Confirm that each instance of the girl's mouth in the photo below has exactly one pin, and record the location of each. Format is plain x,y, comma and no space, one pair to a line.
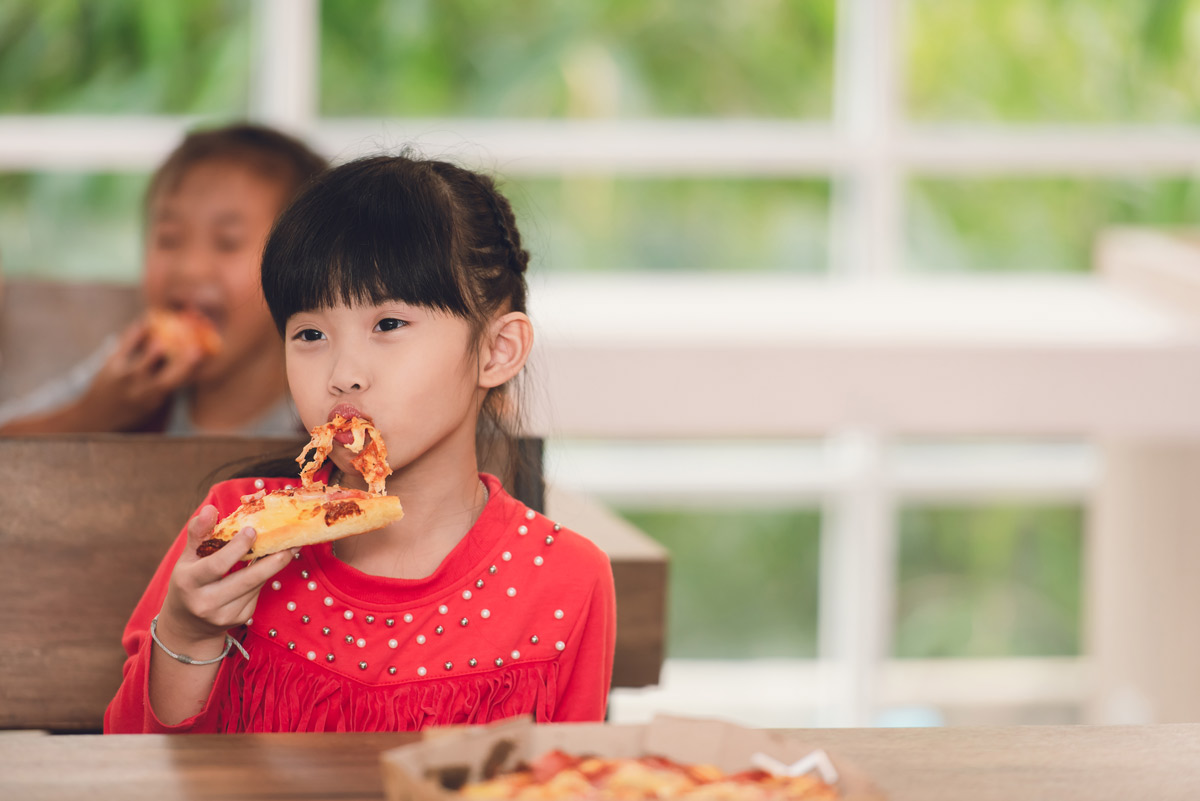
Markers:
347,411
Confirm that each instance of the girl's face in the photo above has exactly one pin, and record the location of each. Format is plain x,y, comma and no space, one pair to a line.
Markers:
409,369
203,249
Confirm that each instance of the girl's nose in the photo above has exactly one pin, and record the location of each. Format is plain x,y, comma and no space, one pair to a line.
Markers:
191,264
347,376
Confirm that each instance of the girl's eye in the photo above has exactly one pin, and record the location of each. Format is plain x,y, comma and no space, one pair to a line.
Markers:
389,324
309,335
229,245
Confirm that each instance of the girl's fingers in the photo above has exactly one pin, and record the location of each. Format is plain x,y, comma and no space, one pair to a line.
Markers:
213,567
149,359
230,601
176,369
251,579
133,339
199,528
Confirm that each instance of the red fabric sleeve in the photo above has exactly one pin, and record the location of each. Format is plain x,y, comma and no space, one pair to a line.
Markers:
585,668
129,712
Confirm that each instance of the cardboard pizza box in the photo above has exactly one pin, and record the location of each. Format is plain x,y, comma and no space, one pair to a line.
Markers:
445,759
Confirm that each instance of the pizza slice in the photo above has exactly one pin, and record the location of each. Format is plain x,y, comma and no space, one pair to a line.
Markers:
558,775
315,512
181,331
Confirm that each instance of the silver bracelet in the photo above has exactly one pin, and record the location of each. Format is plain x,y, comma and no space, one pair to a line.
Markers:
230,642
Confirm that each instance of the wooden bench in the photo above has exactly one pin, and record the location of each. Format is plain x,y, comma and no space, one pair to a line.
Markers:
47,327
88,518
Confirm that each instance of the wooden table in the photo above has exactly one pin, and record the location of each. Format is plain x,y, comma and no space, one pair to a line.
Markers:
1057,763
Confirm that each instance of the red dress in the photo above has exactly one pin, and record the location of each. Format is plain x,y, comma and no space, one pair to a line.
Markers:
520,618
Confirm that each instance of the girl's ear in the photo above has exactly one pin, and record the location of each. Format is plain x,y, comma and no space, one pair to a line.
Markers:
505,350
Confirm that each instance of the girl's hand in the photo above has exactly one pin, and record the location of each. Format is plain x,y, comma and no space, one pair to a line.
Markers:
135,382
203,598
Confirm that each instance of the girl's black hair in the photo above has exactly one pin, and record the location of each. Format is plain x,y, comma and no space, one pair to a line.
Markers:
427,233
270,153
424,232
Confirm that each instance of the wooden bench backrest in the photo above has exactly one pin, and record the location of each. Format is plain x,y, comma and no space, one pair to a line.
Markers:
84,524
46,327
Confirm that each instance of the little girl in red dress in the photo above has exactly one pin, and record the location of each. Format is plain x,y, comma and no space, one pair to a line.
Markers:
398,287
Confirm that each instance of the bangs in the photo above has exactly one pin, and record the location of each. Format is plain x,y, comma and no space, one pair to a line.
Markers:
365,233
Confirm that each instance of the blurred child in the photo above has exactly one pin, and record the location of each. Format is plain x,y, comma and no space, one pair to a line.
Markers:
209,209
399,288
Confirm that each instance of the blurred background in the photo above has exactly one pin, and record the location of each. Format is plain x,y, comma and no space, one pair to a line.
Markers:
820,285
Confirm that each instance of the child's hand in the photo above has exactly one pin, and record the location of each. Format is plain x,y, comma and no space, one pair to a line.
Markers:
203,598
136,380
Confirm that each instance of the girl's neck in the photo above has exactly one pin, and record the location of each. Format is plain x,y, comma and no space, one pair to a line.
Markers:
440,507
226,404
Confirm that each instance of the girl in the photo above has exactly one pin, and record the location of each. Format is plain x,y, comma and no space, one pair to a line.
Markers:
209,209
398,285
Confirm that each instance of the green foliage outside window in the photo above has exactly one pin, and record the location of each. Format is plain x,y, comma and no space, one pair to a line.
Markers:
1063,61
124,57
1047,62
557,58
989,581
1020,61
72,226
113,57
1033,225
602,224
743,582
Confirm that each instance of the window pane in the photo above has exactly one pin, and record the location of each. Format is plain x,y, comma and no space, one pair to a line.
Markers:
742,582
72,225
617,224
1054,60
989,581
548,58
1033,225
124,56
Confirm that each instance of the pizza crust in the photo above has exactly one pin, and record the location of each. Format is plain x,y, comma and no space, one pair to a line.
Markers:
291,518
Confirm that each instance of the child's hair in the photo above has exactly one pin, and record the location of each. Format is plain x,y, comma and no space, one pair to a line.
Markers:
269,153
424,232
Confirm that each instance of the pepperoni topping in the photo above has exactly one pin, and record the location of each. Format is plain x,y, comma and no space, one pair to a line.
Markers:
336,511
210,546
256,505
